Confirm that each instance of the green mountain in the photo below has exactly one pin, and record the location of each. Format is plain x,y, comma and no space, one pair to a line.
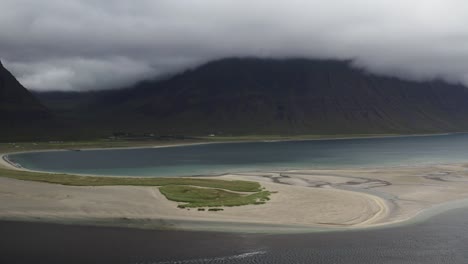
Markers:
268,96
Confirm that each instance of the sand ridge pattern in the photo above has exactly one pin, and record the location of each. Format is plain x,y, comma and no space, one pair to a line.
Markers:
302,200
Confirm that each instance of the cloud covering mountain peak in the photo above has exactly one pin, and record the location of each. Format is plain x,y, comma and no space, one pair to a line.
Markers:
90,45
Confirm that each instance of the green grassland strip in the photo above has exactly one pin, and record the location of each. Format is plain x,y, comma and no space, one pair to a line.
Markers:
75,180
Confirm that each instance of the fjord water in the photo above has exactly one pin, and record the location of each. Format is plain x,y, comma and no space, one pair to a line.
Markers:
212,159
439,240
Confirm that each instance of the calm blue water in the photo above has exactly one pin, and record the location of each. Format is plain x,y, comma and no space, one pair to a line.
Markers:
241,157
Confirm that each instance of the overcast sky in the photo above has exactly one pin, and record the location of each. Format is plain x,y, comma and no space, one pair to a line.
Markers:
92,44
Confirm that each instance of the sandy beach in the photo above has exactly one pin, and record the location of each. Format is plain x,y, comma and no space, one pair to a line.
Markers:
304,200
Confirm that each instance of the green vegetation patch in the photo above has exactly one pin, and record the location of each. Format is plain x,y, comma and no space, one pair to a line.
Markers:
75,180
192,192
192,196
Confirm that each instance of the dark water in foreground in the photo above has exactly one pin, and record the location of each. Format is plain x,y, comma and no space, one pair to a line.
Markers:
222,158
441,239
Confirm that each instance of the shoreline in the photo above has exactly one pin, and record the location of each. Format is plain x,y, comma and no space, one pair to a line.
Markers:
51,203
235,227
7,163
206,142
387,196
377,211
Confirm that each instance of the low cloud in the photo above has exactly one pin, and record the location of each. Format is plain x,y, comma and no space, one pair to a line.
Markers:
70,74
90,45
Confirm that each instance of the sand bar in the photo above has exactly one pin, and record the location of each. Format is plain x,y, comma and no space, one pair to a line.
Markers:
305,200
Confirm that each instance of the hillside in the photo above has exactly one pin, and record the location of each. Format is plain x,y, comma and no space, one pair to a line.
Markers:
22,115
18,105
266,96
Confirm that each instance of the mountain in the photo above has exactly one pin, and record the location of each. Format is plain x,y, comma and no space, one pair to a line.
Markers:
269,96
18,105
21,114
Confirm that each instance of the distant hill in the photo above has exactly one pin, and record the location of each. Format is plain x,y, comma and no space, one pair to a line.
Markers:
268,96
22,115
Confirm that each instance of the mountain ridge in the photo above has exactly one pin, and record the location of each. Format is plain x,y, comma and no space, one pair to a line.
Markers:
240,96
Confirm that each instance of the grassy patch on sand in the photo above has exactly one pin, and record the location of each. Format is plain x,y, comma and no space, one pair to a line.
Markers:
191,196
75,180
191,192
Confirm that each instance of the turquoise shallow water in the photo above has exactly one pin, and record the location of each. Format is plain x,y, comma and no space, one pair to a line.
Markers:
211,159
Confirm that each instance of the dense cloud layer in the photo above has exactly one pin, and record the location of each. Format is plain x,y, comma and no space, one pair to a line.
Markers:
91,44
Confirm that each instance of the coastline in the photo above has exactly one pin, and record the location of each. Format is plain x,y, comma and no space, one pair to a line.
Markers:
194,223
299,206
207,142
7,163
352,199
134,205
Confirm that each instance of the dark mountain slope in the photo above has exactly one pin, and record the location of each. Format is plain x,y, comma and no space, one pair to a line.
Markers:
22,116
17,104
291,96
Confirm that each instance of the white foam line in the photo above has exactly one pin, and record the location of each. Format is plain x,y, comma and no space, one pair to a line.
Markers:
202,260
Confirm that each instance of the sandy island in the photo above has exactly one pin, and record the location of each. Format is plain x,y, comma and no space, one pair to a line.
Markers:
306,200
